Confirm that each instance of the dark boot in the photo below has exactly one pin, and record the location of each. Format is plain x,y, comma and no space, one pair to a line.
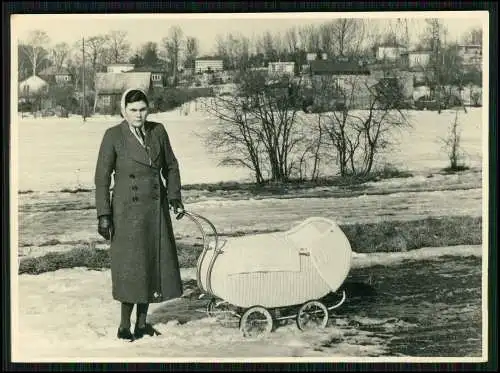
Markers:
125,334
146,330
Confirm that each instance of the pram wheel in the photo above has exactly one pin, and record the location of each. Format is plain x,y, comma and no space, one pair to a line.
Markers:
311,315
256,321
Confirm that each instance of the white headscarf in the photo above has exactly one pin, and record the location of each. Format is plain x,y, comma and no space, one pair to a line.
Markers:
122,103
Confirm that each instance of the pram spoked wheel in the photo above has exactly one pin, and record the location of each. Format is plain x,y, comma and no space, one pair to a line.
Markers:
312,315
256,321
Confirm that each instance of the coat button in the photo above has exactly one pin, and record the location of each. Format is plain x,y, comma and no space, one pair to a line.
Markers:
135,199
132,176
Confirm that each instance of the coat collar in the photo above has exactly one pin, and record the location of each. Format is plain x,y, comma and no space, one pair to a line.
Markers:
135,150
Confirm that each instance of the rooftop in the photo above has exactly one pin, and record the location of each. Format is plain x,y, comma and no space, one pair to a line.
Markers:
147,69
338,67
209,58
120,64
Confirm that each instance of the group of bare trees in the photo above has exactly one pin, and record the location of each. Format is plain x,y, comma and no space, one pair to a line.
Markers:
257,127
338,37
262,127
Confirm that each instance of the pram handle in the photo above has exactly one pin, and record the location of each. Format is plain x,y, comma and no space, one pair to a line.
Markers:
196,219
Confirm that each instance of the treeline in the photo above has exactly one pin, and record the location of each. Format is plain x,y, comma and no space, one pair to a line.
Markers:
339,37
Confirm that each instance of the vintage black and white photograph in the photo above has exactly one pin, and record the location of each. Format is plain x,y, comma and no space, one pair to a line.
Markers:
299,187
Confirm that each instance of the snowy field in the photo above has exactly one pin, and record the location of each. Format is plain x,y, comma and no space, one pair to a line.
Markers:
57,153
69,314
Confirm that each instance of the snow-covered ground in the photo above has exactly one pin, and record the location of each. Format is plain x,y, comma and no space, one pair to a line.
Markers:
69,315
57,153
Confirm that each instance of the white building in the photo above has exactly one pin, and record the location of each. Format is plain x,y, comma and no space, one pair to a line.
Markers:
120,67
418,58
203,65
390,52
32,86
281,68
314,56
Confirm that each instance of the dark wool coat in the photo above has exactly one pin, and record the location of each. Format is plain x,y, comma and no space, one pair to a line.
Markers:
144,263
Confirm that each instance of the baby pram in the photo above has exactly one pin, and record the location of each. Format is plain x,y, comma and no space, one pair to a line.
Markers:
274,277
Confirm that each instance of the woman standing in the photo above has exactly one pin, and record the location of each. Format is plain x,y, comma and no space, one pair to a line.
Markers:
135,215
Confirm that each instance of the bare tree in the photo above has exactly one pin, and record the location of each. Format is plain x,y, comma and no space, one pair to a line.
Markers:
221,48
258,127
235,50
35,48
96,51
326,34
236,136
358,137
453,147
118,46
97,55
291,40
311,151
172,45
348,35
304,39
268,44
60,54
192,50
314,39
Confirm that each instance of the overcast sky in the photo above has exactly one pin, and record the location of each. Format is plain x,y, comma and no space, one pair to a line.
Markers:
142,28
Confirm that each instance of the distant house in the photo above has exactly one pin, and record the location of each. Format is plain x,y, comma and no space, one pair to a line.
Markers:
416,59
389,52
54,75
32,86
109,88
471,54
314,56
119,67
205,64
158,75
281,68
32,90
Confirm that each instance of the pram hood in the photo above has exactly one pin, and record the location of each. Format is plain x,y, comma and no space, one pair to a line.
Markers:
270,252
317,237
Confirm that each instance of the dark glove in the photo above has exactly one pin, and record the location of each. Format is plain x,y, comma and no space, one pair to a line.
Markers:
105,227
177,206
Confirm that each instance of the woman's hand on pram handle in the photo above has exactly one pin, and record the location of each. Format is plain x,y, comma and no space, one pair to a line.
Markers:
178,207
